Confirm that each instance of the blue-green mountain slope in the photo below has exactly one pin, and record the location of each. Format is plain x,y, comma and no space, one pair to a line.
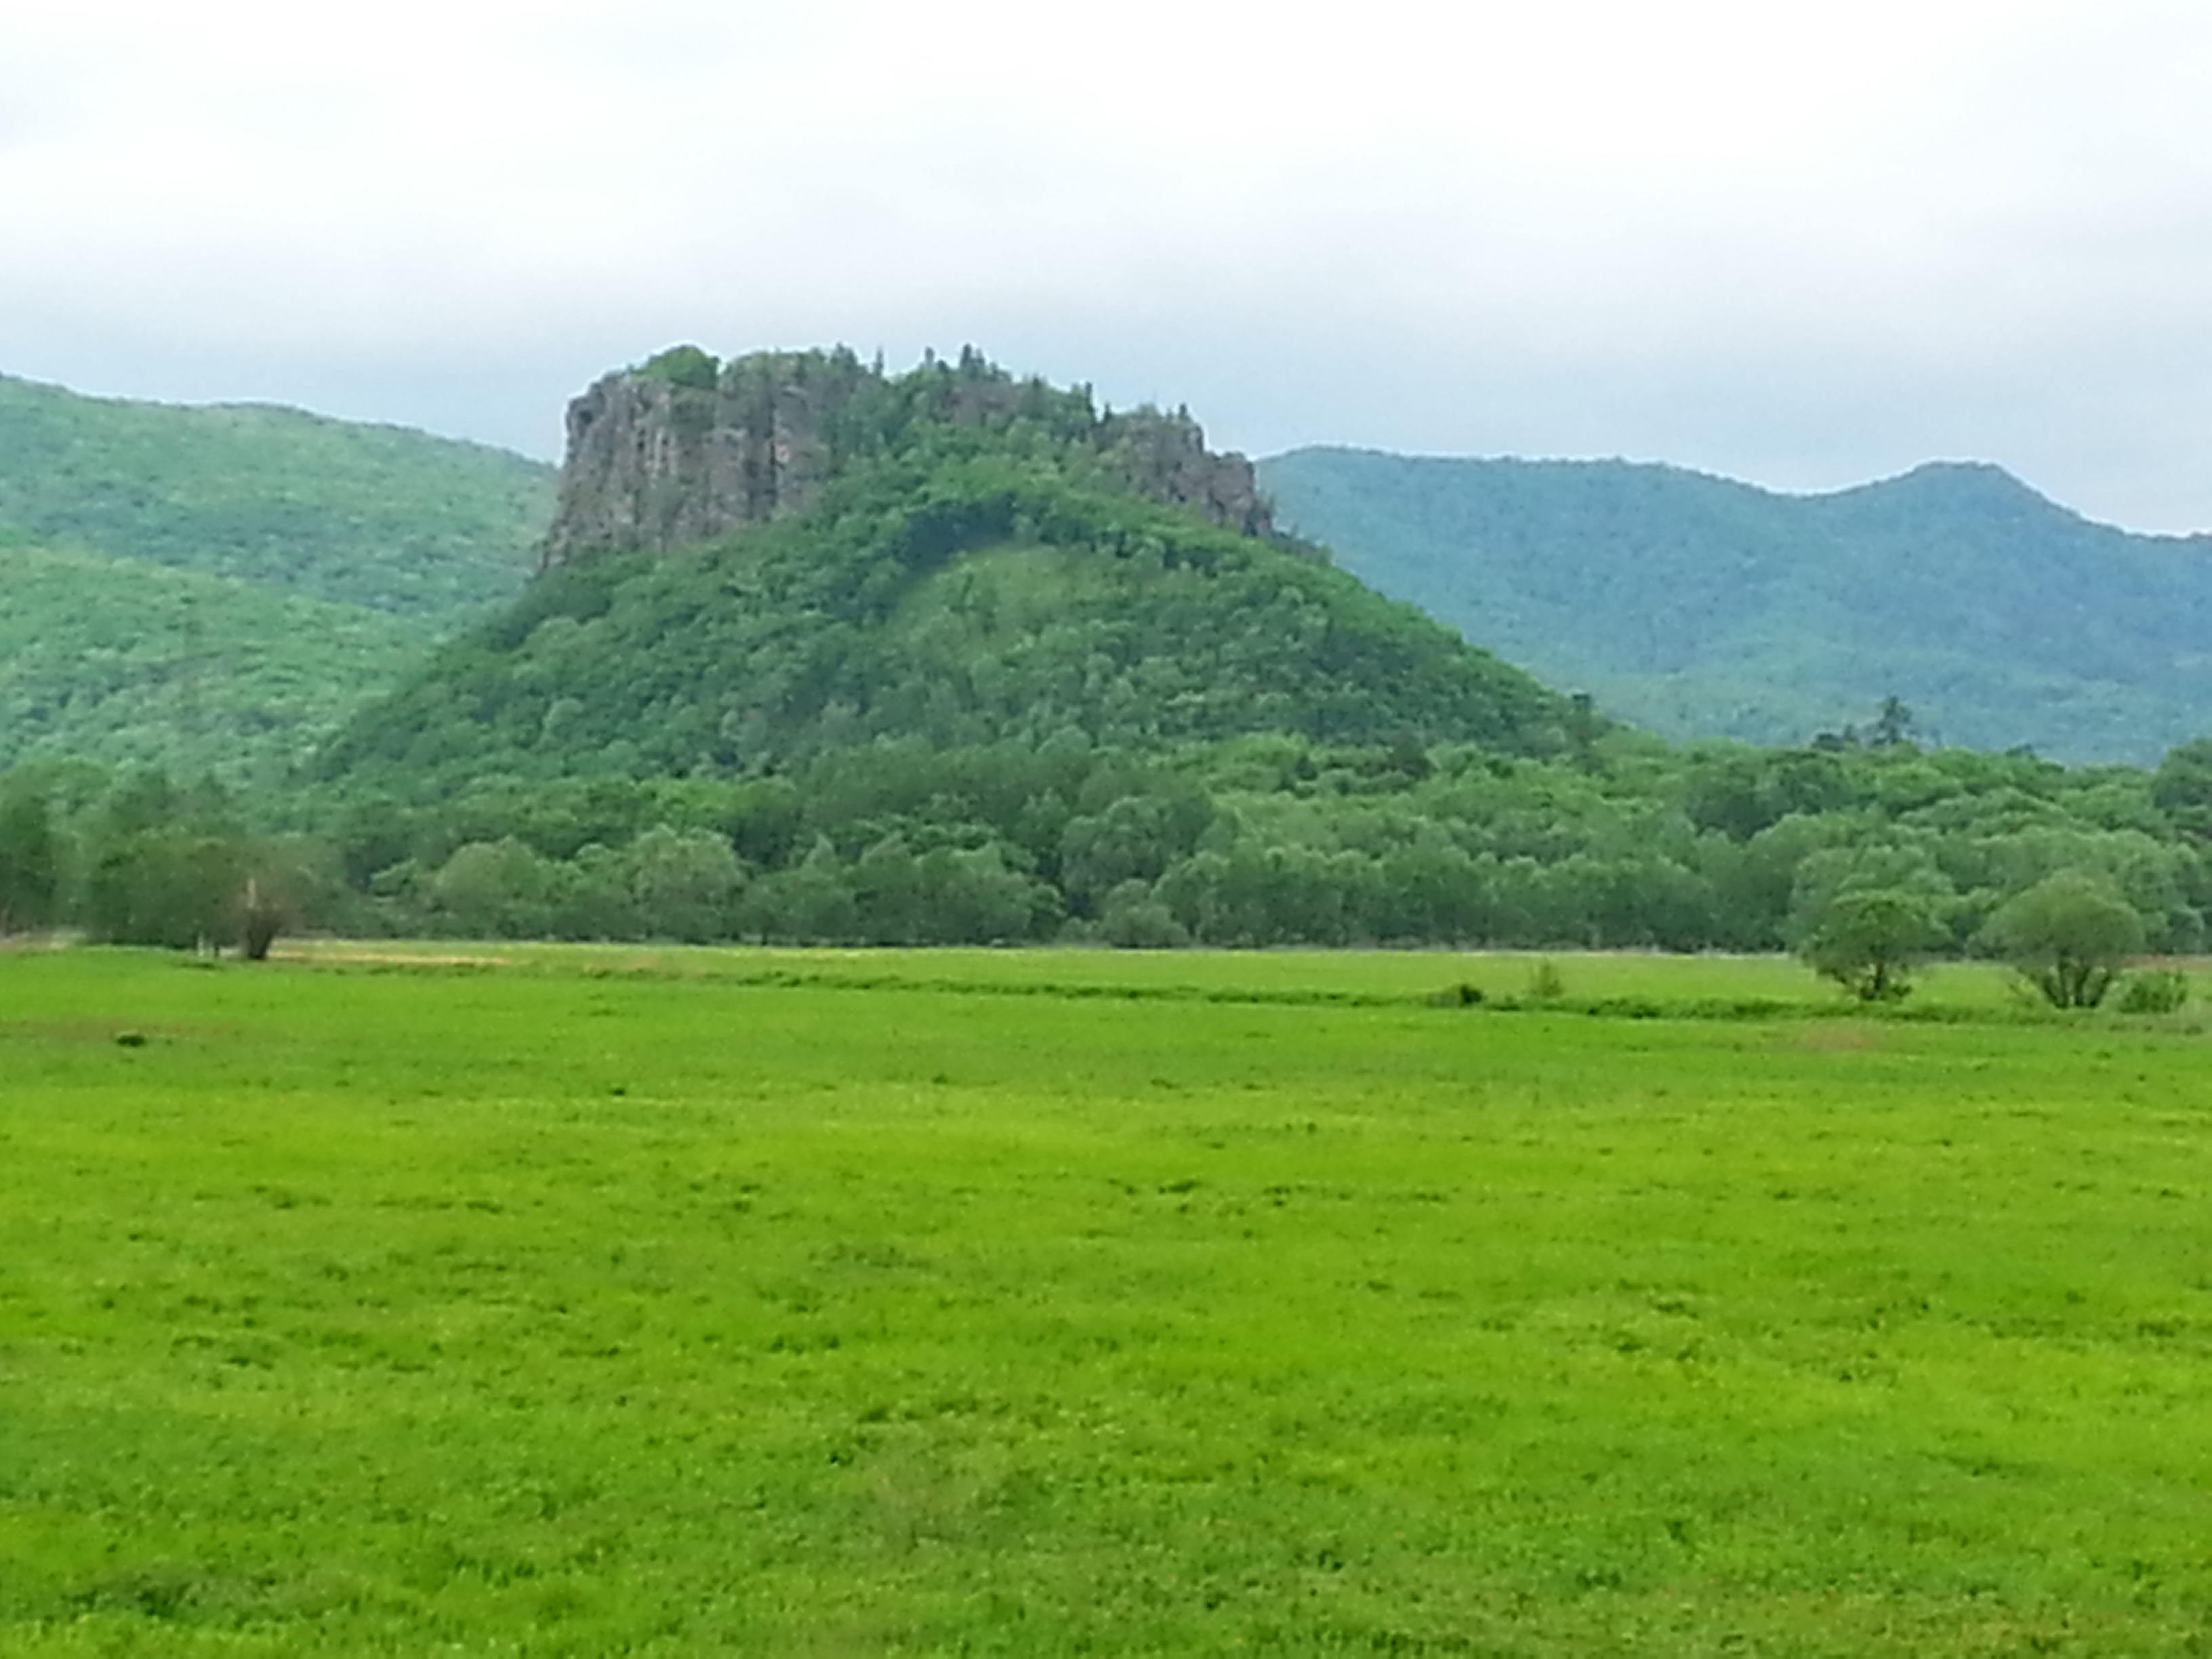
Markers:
1697,606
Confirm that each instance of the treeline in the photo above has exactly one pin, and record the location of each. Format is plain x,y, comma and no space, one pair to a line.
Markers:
134,859
1257,842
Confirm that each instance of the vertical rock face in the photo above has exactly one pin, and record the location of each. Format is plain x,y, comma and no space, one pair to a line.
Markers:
684,450
659,460
1163,457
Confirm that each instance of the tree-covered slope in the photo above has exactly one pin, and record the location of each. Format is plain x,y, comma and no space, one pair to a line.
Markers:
371,516
127,662
1694,606
959,593
216,589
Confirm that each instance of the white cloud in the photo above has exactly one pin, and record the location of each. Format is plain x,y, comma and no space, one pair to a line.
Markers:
1794,242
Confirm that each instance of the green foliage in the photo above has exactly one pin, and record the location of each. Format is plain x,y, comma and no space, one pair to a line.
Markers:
1698,607
213,590
494,889
1866,939
1273,839
135,664
686,366
30,858
2154,991
164,867
987,691
958,593
685,882
137,860
2069,936
170,887
1263,839
371,517
2182,788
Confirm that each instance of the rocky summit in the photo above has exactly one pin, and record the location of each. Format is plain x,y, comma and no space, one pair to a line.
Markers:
687,448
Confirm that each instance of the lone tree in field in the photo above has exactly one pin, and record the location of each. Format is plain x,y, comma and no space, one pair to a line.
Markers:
1870,939
2069,936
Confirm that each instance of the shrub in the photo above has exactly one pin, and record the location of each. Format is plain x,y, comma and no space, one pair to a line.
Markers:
2154,991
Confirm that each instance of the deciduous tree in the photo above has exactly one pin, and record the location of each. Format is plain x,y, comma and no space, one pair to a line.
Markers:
1870,939
2069,936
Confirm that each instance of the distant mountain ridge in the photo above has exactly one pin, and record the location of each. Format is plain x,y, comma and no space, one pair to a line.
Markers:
380,516
1696,605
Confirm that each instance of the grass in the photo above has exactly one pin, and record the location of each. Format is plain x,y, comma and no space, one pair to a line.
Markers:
592,1301
1683,984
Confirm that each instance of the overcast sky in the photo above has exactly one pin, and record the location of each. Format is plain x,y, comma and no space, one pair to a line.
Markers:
1802,244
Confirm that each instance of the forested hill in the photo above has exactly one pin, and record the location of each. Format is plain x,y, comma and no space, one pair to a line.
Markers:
1696,606
972,561
374,516
214,590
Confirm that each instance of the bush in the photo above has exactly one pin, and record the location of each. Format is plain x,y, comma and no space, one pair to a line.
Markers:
2154,991
687,366
1545,984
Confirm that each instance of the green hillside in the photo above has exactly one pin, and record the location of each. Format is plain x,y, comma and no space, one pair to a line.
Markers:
372,516
957,595
974,692
130,664
214,590
1695,606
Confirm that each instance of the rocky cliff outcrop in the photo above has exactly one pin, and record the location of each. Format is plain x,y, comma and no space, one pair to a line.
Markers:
685,449
1163,457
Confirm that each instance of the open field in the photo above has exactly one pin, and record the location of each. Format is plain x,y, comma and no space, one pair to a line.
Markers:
508,1299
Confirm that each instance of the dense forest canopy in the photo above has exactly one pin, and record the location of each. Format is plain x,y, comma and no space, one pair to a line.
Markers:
372,516
215,590
962,597
132,664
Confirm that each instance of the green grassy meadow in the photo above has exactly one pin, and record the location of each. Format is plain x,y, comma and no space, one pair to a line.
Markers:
392,1299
